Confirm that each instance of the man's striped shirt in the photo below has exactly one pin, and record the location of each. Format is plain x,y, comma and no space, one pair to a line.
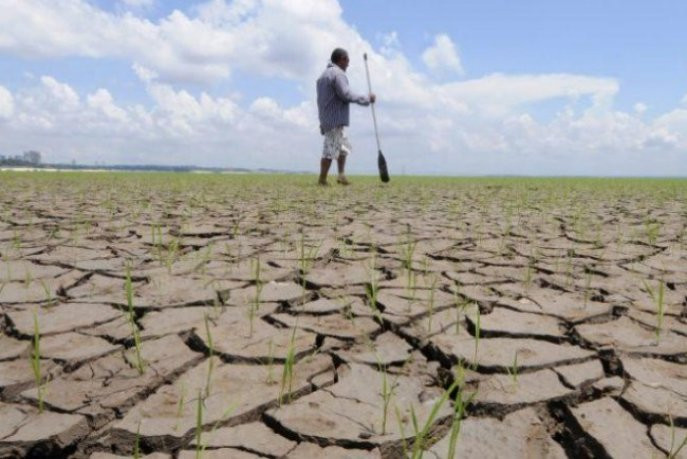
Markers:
333,98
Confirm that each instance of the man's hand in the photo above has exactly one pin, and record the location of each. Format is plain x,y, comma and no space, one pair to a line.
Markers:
372,98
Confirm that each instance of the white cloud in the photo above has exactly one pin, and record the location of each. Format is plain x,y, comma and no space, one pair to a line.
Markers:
102,100
6,103
442,57
138,3
482,125
639,108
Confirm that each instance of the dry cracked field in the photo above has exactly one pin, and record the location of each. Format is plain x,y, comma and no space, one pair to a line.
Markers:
178,316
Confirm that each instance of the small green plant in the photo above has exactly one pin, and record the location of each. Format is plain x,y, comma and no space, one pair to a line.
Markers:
200,448
287,373
460,404
270,363
372,289
658,296
513,369
387,392
477,334
211,360
430,304
180,405
36,361
140,365
255,304
587,285
652,228
422,435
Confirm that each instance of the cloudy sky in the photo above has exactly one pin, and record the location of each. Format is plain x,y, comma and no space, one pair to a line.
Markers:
472,87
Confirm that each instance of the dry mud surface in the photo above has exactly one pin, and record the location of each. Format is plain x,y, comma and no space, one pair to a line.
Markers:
276,319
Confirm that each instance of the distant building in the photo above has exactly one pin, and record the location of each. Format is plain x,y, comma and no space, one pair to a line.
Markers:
32,156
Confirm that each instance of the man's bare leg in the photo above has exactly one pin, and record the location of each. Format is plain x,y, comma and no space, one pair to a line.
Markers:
341,164
324,170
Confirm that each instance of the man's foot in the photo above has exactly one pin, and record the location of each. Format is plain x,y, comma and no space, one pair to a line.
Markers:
342,180
322,183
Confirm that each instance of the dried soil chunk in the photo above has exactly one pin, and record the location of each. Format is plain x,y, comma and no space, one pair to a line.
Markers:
499,353
11,348
313,451
222,453
502,321
663,436
571,307
578,374
334,325
37,291
110,383
63,317
614,428
75,347
270,292
21,270
237,394
626,335
656,401
387,349
233,339
101,288
165,290
519,435
12,416
17,375
100,455
254,436
176,320
325,306
504,391
48,432
341,275
350,412
658,373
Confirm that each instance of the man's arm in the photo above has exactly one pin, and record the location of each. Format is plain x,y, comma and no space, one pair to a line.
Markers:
343,90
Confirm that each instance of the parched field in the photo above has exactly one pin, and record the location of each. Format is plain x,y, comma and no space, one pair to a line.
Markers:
249,316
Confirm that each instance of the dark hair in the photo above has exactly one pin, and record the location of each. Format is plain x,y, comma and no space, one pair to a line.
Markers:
338,54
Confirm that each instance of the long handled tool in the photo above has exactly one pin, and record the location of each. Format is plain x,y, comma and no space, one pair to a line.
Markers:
381,161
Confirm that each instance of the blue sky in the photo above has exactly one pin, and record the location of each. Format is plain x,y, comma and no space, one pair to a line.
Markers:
470,87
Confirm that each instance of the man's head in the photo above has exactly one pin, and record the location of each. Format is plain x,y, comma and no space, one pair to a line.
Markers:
340,58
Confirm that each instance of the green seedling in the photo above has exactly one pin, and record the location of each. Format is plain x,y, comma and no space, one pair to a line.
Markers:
477,334
140,365
199,425
255,304
211,360
674,451
387,392
270,363
652,228
513,370
402,430
371,289
430,305
422,435
460,405
180,405
36,361
287,373
659,299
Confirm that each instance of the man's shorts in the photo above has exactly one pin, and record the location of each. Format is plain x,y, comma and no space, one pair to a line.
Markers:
336,144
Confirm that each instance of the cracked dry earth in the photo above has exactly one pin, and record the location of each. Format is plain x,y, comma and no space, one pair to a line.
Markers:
279,320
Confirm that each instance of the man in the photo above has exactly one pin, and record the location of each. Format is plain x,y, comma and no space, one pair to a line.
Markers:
333,98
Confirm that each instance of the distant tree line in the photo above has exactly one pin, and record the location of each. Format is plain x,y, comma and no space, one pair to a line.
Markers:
29,158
